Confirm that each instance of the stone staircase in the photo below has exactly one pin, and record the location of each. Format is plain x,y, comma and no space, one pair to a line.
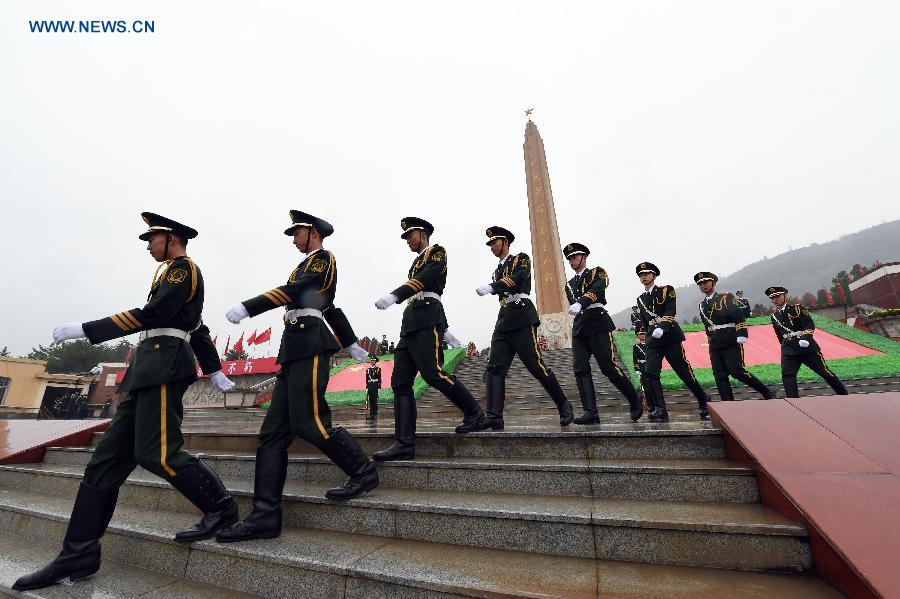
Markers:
623,510
526,398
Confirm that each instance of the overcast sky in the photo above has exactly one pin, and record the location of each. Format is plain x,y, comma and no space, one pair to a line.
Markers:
698,135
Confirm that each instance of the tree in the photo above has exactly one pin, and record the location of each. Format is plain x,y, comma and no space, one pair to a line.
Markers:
822,297
808,299
4,351
233,355
759,310
696,320
79,356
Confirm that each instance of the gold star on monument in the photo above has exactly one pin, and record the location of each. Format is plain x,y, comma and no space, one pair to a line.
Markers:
528,112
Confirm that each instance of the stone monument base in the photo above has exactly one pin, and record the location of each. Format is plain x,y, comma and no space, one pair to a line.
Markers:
557,329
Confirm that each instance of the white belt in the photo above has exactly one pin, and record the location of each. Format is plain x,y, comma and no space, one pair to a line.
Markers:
293,315
424,294
796,334
513,297
164,333
596,305
716,327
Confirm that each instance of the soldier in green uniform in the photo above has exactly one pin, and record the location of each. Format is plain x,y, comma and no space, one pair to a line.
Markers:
658,307
515,331
373,386
422,336
592,335
146,429
726,332
298,407
639,357
794,328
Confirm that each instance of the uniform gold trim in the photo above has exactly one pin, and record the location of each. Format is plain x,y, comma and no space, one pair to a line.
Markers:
193,279
613,354
163,431
120,322
315,396
537,350
127,317
280,294
437,357
329,279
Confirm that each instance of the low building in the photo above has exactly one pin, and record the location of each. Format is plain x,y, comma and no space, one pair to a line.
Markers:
25,386
880,287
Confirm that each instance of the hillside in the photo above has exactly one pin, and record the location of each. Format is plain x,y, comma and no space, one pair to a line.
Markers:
804,269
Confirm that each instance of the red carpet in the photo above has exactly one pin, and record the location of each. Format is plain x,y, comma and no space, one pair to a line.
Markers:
762,347
353,377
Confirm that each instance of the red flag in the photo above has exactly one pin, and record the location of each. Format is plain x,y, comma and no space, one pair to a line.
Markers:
264,336
828,297
215,339
239,345
252,338
128,357
227,343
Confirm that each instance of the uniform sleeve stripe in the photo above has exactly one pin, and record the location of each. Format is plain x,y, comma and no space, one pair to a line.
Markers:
274,298
120,323
127,317
281,294
415,284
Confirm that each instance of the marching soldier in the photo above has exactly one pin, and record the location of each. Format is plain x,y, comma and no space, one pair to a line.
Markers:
422,334
635,318
657,305
744,304
515,331
639,358
298,407
146,429
794,328
592,335
373,384
726,331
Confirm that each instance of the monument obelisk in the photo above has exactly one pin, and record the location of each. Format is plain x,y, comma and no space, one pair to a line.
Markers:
546,250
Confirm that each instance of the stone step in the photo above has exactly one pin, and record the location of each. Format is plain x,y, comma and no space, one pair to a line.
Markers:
20,555
715,480
688,439
314,563
723,535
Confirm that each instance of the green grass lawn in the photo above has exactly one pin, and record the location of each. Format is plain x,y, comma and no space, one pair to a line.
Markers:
861,367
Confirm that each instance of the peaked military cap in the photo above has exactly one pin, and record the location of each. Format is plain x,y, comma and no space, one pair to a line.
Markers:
705,276
640,330
573,249
646,267
161,224
499,233
411,223
374,358
304,219
775,290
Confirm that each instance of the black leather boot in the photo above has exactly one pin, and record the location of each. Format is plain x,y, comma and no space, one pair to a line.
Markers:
80,555
496,397
473,415
655,396
203,487
404,447
342,449
264,521
551,386
588,400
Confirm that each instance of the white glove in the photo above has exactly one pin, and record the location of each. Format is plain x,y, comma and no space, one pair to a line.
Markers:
451,339
389,300
742,340
358,353
575,308
484,290
237,314
69,330
804,343
657,333
637,373
220,381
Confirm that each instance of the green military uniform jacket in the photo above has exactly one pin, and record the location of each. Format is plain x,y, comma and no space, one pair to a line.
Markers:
722,309
512,277
312,284
590,288
794,318
657,308
427,273
175,301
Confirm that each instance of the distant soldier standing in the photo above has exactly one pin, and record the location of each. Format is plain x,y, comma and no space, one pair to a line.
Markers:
744,304
726,332
592,335
298,407
657,306
373,385
794,328
146,429
639,358
635,318
421,339
515,331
